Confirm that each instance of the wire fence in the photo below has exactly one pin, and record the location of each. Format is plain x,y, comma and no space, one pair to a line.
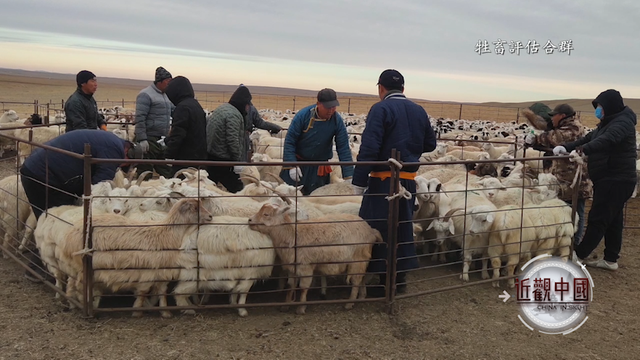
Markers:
210,243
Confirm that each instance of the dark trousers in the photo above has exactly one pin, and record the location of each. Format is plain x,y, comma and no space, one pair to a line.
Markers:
42,197
156,152
225,175
577,238
606,219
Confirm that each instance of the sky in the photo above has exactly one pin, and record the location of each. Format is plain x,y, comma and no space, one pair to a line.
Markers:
438,45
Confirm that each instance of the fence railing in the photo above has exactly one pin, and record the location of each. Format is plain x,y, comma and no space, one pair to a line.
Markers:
430,276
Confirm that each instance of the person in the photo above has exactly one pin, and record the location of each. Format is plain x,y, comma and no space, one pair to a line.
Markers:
226,139
153,115
310,138
51,179
81,109
611,148
393,123
187,139
254,120
564,128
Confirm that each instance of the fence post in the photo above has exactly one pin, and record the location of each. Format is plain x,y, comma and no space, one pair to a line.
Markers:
122,103
46,119
392,231
518,116
460,113
349,106
294,103
35,106
87,259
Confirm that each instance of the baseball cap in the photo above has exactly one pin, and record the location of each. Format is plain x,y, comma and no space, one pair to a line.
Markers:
563,109
328,98
391,79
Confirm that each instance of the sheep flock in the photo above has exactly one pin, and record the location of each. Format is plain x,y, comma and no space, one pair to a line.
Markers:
480,196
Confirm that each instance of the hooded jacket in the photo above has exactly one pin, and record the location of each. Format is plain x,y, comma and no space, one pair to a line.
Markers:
187,138
153,113
611,146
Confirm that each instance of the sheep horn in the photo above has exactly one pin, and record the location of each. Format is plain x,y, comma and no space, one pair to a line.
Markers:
142,176
252,178
180,172
277,178
447,216
283,196
132,174
175,194
112,183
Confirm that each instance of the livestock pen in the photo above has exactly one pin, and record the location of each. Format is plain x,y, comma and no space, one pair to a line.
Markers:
187,270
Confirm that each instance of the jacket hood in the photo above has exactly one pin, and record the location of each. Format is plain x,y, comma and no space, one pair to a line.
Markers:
179,89
240,99
611,102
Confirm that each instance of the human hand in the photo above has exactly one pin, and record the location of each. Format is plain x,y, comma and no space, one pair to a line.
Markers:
560,150
238,169
295,174
144,146
358,190
530,139
576,157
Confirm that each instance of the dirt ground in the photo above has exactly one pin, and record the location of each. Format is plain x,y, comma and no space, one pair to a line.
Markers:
468,323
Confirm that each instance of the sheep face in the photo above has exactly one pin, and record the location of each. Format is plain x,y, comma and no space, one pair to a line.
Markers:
491,187
443,229
118,202
268,215
191,211
481,219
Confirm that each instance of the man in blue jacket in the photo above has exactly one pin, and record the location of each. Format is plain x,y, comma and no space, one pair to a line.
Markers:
393,123
310,137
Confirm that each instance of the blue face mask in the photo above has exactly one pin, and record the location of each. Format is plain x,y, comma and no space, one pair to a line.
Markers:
599,113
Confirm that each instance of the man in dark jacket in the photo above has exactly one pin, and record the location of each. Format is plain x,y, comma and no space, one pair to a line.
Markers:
81,109
153,115
611,148
51,178
226,139
187,139
254,120
393,123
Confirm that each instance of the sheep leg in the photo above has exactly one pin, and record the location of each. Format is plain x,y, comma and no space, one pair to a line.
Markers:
465,267
28,232
356,281
184,287
512,262
305,283
485,272
243,288
162,292
495,264
323,287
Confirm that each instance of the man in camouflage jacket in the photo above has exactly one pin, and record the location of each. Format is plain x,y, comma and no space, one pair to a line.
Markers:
566,128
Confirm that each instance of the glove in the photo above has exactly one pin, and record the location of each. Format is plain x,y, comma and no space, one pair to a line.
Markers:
238,169
275,131
295,174
348,180
576,157
144,146
560,150
103,127
358,190
530,139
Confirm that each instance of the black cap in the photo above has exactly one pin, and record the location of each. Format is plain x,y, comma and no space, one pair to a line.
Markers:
84,76
328,98
391,80
563,109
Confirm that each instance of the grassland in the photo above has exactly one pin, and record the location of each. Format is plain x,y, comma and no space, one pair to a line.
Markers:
21,93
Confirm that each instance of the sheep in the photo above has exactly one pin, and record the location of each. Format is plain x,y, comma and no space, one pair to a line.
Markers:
137,263
467,155
470,231
264,170
230,257
39,135
14,211
493,151
9,116
511,239
352,258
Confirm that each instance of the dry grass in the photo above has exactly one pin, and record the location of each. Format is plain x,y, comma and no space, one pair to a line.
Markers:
20,92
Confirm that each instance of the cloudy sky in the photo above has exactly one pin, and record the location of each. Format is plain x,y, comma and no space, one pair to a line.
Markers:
343,44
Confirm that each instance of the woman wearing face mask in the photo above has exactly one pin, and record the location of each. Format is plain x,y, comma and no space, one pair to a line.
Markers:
611,148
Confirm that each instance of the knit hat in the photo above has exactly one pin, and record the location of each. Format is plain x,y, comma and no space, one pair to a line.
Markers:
162,74
391,80
84,76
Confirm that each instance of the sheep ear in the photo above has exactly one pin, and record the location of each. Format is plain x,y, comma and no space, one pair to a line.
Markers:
503,187
490,218
452,228
438,187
